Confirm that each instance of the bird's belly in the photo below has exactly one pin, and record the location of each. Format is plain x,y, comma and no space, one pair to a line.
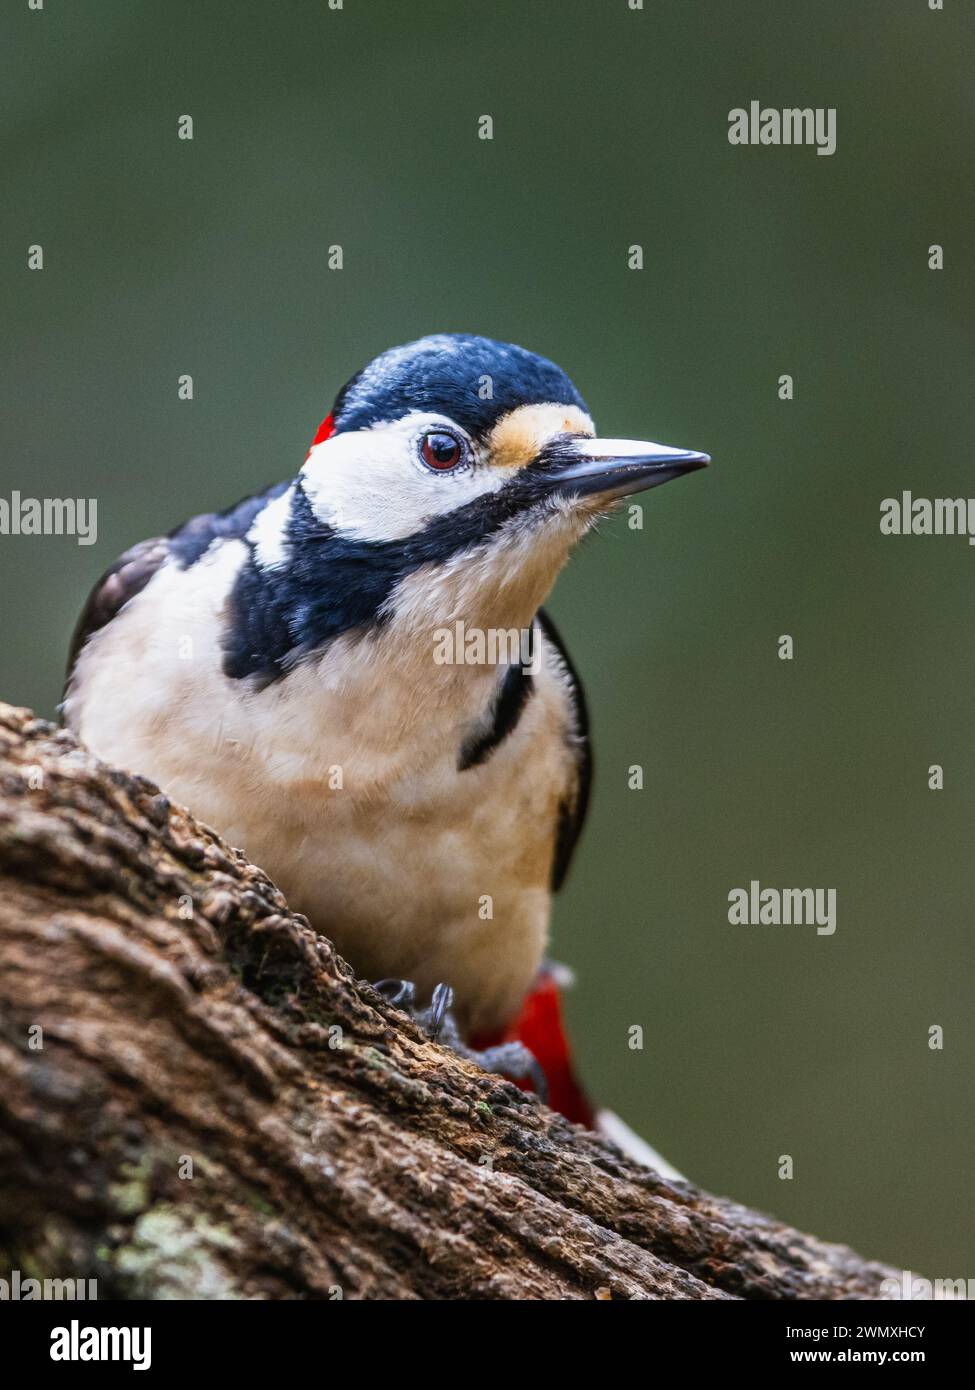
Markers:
449,887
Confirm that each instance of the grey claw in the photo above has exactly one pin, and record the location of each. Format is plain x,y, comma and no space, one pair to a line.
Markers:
434,1016
511,1060
514,1061
402,993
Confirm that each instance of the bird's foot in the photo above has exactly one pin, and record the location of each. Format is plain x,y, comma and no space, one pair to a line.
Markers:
511,1060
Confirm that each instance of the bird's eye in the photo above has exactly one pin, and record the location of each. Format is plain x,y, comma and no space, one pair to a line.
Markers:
441,450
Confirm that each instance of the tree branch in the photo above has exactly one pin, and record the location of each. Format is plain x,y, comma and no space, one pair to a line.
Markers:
191,1024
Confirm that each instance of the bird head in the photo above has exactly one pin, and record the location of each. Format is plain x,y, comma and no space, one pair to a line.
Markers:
469,468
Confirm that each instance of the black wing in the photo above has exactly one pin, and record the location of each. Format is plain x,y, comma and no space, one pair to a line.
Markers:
132,571
130,574
572,809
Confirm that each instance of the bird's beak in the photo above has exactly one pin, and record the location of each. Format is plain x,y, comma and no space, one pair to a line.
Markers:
611,468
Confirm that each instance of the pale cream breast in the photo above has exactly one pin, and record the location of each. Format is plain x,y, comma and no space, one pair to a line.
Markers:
341,779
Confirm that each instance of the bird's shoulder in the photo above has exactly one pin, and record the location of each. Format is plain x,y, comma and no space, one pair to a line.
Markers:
184,544
127,577
575,802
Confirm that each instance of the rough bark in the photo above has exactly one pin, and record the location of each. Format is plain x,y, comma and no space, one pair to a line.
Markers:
187,1015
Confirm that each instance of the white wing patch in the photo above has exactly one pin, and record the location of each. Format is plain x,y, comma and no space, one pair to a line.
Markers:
267,534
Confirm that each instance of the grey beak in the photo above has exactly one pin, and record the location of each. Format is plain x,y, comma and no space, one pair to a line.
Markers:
617,467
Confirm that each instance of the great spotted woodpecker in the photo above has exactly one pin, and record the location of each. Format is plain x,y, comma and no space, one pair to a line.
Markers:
279,668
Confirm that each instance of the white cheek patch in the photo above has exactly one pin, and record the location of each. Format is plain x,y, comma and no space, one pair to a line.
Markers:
371,485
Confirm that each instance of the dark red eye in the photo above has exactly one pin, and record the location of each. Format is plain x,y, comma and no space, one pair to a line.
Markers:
441,450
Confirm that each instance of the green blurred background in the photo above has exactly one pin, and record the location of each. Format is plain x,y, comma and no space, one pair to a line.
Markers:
358,127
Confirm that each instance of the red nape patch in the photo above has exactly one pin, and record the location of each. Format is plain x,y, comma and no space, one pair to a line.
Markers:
539,1027
325,431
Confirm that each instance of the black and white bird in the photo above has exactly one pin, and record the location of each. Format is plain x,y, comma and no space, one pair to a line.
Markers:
279,667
